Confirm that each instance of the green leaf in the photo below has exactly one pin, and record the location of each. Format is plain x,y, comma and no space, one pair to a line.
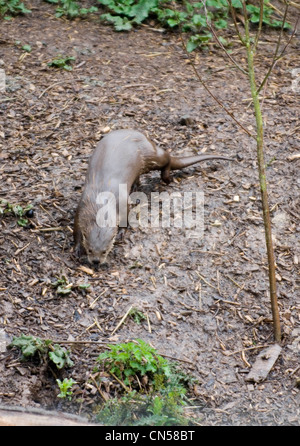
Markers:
237,4
60,357
217,4
26,48
253,9
199,20
22,222
172,22
62,62
140,11
63,290
29,345
18,210
120,23
220,24
64,387
197,40
85,11
84,286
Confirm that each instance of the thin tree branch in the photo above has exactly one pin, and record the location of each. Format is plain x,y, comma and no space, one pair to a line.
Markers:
296,5
263,180
275,56
290,39
232,10
211,93
261,14
247,34
210,25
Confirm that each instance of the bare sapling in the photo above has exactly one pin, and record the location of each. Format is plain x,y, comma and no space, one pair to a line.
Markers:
250,43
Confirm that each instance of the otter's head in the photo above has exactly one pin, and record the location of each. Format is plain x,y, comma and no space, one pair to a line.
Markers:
91,238
97,242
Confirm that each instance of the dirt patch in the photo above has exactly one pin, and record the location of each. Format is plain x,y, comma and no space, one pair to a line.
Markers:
207,299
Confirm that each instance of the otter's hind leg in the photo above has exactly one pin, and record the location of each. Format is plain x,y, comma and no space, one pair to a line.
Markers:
165,173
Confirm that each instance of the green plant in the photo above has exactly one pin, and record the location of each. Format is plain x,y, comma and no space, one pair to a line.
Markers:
133,358
60,357
160,400
71,9
12,7
65,387
27,48
62,286
190,17
127,12
16,210
84,286
135,409
137,315
62,62
30,346
267,18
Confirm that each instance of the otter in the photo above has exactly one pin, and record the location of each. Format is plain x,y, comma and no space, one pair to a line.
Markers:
120,158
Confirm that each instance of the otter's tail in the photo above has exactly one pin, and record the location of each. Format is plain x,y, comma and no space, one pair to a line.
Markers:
181,162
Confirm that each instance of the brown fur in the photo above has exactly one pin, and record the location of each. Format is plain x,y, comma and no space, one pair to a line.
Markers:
119,158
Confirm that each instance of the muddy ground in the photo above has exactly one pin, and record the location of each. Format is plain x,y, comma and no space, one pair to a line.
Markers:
206,298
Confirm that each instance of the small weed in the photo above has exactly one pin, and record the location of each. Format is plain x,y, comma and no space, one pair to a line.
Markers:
27,48
162,387
131,359
18,211
65,387
60,357
137,315
84,286
187,16
71,9
12,7
31,346
62,62
62,286
135,409
268,19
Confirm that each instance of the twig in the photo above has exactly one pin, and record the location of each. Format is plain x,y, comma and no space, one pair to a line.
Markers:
21,249
261,13
296,5
190,308
148,322
58,228
120,382
200,296
122,320
262,180
207,283
95,300
275,56
232,10
98,388
50,86
209,24
247,349
233,281
106,344
96,322
211,93
227,301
